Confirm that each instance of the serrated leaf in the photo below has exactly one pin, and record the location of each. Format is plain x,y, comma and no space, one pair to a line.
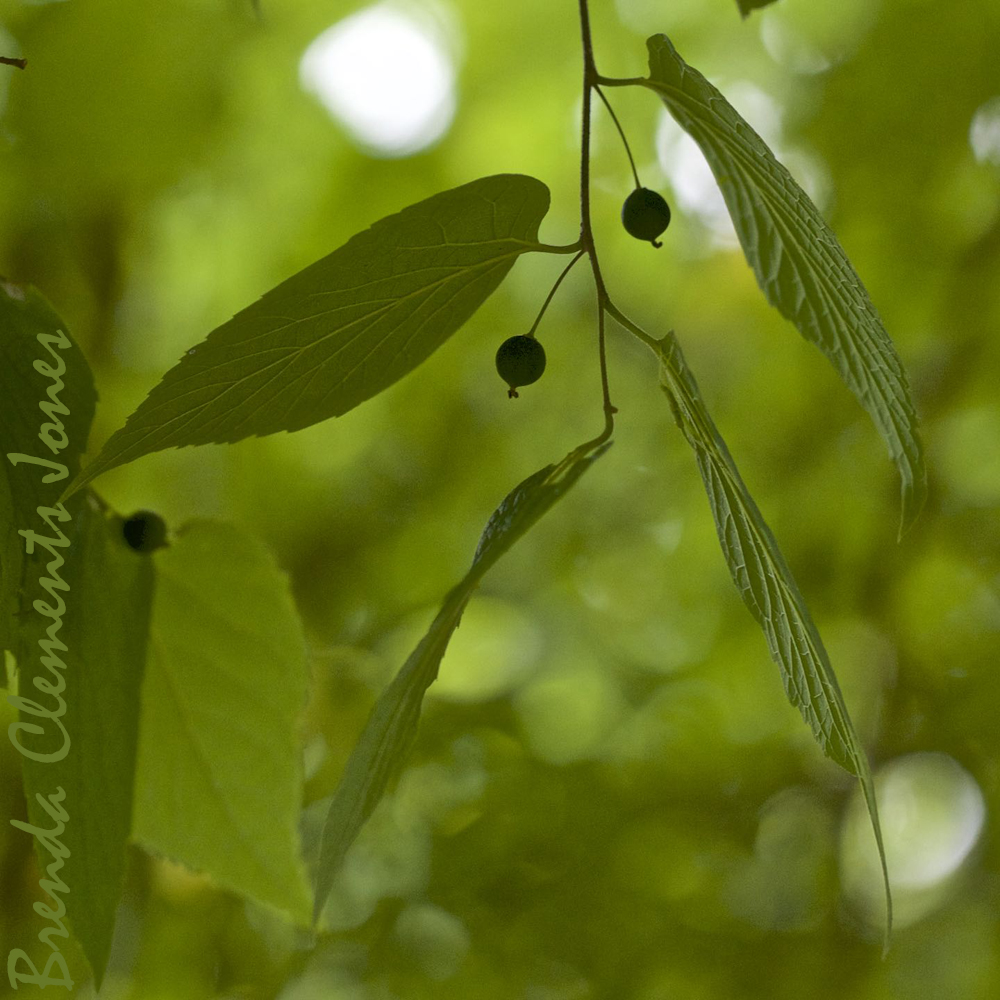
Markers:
101,642
801,268
767,586
392,725
748,6
219,781
40,366
343,329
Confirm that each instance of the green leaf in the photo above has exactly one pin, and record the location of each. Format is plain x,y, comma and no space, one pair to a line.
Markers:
392,725
219,781
801,268
93,640
343,329
99,649
748,6
766,583
40,366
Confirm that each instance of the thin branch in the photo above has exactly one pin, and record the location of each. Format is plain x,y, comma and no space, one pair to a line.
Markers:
633,328
609,410
621,132
589,72
610,81
590,78
548,248
555,288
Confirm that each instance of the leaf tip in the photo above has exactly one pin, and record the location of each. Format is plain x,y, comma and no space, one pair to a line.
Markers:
73,487
914,499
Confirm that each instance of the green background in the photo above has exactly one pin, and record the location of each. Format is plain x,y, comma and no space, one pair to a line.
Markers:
610,796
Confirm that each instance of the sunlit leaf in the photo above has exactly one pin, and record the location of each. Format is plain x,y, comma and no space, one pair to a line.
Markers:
766,584
343,329
99,650
392,725
801,268
219,780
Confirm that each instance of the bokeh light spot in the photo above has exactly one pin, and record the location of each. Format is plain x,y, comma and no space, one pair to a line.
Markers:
984,132
387,76
932,813
970,471
567,712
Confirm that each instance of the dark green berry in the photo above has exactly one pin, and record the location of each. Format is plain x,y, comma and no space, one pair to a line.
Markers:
520,361
144,531
645,215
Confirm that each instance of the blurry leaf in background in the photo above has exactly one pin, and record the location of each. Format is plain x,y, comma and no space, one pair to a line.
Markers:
343,329
748,6
131,139
219,775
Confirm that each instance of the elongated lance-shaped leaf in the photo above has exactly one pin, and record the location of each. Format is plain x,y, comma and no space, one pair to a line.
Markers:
343,329
392,725
767,586
801,268
47,402
88,640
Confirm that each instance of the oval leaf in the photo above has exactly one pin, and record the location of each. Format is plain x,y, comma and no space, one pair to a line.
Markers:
218,780
801,268
343,329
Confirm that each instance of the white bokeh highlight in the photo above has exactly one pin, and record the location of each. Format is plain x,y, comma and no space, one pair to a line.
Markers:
932,813
984,132
387,75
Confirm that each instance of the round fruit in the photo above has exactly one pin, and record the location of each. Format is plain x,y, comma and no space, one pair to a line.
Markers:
520,361
645,215
145,531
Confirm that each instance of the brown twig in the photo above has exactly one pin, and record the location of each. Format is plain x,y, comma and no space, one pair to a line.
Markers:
11,61
590,78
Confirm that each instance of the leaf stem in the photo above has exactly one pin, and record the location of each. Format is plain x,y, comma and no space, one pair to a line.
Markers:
555,288
611,81
633,328
621,132
548,248
590,80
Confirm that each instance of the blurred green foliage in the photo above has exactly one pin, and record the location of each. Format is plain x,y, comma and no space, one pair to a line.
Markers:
610,796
